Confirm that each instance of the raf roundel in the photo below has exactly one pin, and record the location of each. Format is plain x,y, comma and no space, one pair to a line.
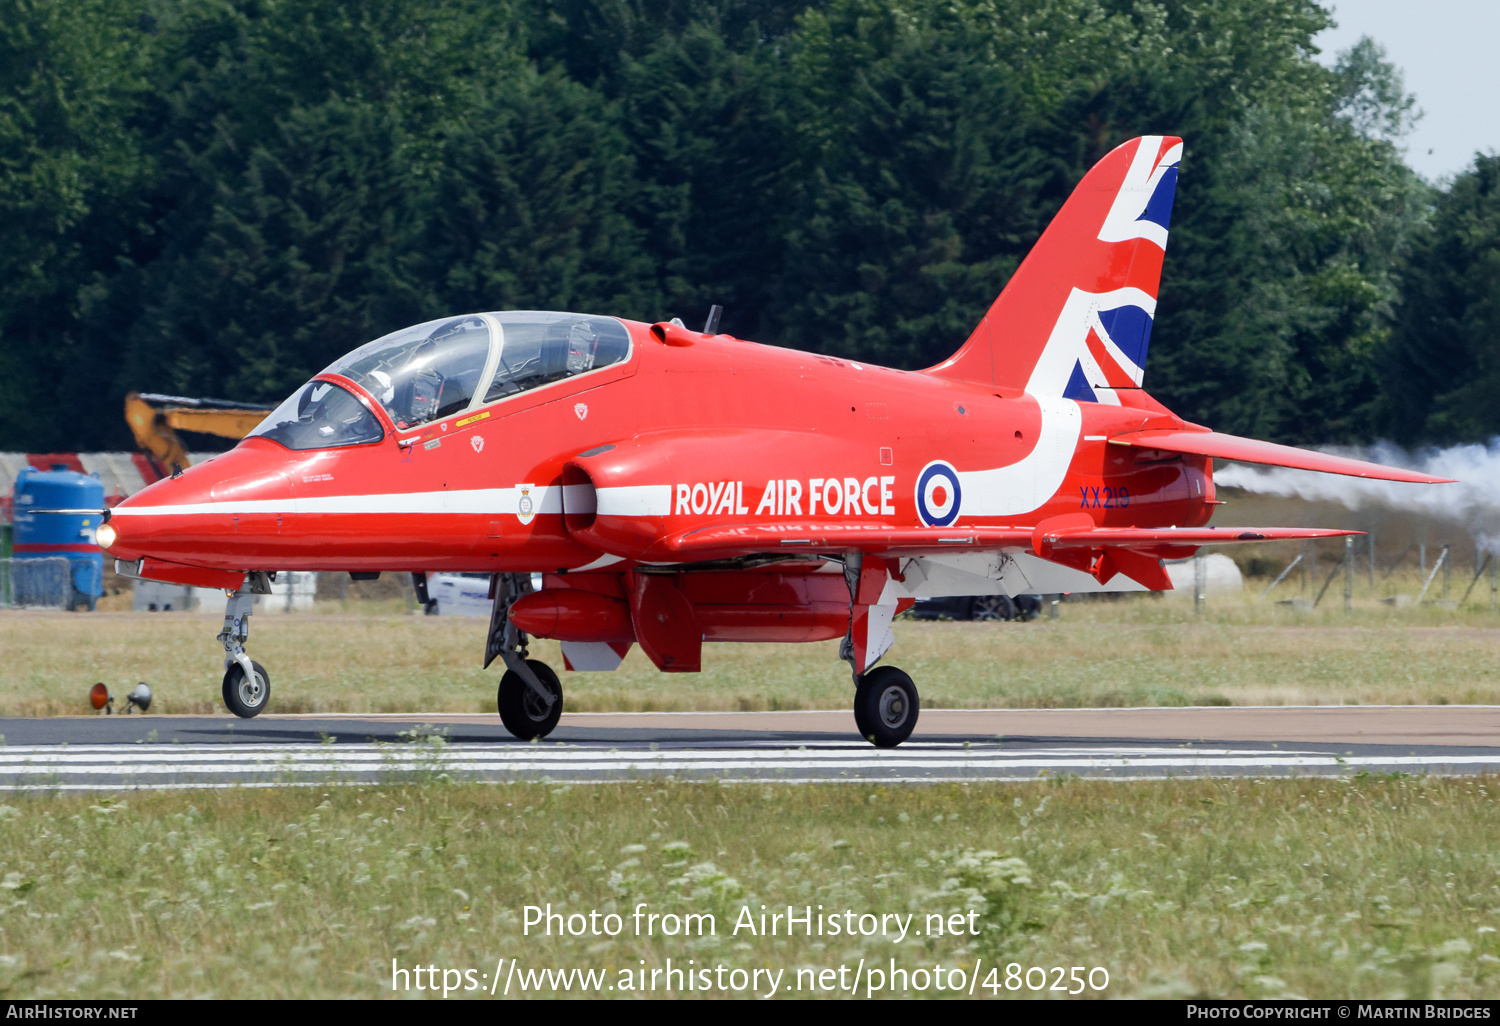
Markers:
938,494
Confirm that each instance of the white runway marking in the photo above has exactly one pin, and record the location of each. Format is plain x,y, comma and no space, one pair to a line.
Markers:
81,767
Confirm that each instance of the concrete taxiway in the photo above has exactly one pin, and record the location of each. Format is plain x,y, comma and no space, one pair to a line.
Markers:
189,751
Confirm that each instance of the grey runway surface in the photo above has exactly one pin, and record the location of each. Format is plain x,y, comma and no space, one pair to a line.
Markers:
119,752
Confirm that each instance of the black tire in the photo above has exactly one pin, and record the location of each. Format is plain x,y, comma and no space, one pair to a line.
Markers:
1028,607
886,706
521,710
992,607
245,700
861,720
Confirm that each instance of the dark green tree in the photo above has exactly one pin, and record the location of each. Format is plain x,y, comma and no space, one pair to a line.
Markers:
71,169
1280,280
337,171
1441,365
219,197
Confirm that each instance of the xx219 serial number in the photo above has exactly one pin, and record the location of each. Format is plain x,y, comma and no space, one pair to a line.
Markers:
1103,498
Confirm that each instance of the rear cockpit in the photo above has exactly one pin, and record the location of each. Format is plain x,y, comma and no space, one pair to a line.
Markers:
444,368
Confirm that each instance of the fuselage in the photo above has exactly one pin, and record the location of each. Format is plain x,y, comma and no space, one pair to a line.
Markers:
710,432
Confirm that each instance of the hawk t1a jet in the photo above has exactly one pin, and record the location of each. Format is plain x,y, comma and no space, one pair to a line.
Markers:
672,487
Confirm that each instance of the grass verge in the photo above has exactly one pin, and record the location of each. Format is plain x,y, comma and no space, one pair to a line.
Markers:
1359,887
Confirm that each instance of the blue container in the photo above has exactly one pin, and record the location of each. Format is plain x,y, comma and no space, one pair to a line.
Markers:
56,559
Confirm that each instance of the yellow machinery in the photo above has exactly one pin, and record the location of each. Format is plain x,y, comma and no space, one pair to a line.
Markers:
156,419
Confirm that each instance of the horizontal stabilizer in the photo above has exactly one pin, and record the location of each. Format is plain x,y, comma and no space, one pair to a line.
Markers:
1249,450
1150,537
1074,540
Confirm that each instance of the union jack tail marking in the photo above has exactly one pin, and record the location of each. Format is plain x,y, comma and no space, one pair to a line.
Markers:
1075,320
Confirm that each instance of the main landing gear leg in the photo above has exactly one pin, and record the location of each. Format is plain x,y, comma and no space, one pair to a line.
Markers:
885,699
530,697
247,686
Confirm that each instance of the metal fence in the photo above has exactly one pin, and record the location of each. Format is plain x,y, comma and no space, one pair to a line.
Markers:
35,583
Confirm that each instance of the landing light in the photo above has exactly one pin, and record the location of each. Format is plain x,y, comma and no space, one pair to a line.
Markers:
105,536
139,698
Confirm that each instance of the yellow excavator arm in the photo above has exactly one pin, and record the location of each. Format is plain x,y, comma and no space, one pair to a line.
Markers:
155,420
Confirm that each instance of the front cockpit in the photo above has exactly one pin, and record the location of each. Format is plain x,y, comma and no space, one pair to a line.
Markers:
444,368
320,415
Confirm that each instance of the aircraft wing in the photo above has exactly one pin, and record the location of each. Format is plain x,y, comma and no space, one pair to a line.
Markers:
727,541
1249,450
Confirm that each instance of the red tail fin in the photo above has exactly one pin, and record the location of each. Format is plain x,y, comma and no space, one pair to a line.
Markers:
1075,320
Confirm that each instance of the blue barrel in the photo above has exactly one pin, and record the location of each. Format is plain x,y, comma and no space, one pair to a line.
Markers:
55,557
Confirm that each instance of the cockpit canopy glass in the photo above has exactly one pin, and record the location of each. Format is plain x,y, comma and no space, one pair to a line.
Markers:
320,415
442,368
541,348
425,372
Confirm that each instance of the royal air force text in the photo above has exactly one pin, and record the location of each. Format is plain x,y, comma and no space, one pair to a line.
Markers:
831,496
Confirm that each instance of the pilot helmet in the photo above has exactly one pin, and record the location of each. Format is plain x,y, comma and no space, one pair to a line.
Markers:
387,389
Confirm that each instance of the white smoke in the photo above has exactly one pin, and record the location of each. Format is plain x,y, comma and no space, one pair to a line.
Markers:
1474,499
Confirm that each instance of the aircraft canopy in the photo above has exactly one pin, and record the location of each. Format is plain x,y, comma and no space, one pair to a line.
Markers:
445,367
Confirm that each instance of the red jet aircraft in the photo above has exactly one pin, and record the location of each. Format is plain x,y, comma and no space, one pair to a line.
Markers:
673,486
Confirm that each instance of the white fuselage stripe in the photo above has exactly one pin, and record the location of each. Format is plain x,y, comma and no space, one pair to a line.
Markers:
635,501
643,500
477,500
1034,479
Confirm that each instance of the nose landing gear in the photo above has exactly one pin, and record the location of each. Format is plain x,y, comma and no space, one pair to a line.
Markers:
530,698
247,685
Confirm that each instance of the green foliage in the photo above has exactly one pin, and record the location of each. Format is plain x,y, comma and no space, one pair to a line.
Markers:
1443,360
1279,281
394,184
996,886
71,75
219,197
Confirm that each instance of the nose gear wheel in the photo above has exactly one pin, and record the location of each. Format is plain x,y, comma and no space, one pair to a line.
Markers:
246,696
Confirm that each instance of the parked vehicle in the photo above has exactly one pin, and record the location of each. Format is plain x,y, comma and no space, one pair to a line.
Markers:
979,607
457,595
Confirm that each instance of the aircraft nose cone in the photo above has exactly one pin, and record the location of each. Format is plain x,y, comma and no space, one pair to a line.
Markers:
211,513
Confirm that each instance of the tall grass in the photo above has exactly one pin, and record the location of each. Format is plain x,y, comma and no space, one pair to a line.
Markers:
1363,887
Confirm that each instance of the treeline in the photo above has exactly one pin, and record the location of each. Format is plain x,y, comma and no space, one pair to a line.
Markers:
219,197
